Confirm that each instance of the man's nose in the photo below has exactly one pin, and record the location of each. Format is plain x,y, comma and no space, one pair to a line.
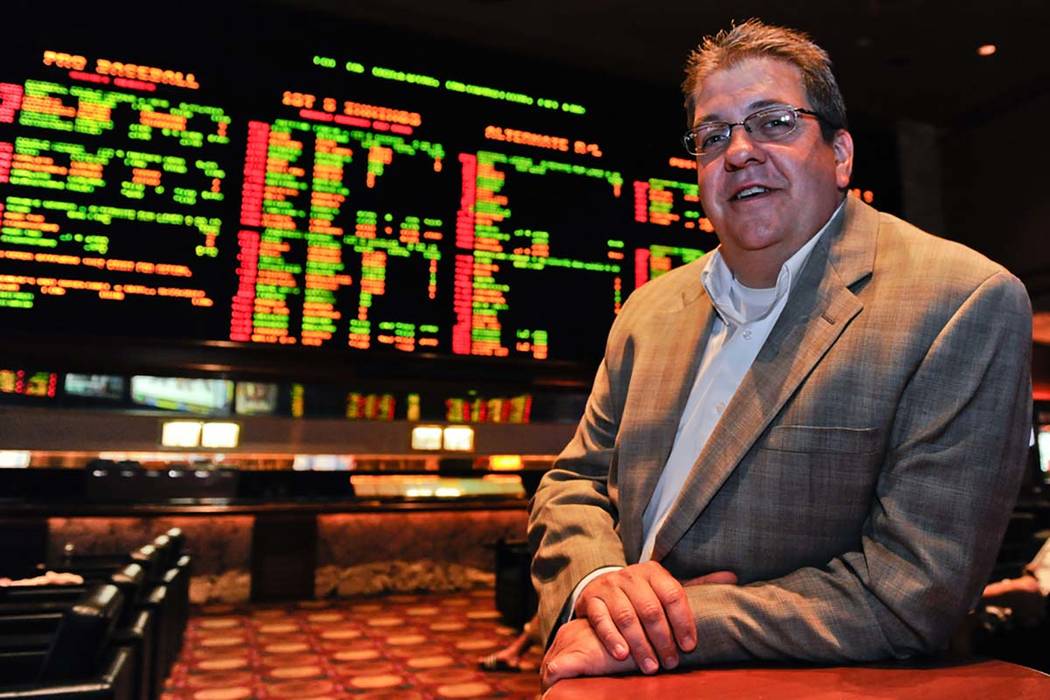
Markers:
742,148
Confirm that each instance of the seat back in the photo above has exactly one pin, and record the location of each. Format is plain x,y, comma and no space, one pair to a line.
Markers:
28,631
131,581
151,560
140,636
80,642
178,541
163,544
170,547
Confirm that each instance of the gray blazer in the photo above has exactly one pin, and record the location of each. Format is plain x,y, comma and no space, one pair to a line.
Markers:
858,483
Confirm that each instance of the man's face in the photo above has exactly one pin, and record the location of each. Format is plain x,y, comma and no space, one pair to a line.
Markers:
801,176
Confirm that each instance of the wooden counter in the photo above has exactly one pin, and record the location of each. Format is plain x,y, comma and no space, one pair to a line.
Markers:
980,680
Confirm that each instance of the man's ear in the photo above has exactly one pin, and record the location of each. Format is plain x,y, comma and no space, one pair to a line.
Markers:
842,145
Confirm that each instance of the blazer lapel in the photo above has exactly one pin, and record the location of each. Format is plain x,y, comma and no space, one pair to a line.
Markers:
818,311
681,331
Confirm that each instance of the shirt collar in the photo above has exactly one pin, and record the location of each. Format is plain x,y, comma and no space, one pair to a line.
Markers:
721,286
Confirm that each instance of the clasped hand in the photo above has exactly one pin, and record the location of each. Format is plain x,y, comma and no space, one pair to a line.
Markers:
635,618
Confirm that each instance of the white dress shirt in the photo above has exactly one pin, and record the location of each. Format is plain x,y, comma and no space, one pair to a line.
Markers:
743,321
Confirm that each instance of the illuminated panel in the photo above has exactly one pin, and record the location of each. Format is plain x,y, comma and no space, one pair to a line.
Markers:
310,198
111,209
298,400
10,102
182,394
458,438
255,399
515,409
181,433
426,437
457,86
321,227
651,262
370,406
252,191
220,435
669,203
6,155
97,386
463,301
24,383
378,207
496,256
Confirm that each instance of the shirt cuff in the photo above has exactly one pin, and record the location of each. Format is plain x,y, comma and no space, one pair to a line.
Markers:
571,612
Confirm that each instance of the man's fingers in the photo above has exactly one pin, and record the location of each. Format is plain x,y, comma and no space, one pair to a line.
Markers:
567,665
577,651
602,623
624,616
641,618
681,616
645,608
678,611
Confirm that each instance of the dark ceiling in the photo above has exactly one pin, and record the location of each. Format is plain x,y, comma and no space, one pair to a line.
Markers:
914,59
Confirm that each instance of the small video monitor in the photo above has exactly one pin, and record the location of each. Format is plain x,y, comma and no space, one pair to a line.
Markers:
255,399
94,386
182,394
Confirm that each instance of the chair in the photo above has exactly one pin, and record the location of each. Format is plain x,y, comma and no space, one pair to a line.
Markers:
80,662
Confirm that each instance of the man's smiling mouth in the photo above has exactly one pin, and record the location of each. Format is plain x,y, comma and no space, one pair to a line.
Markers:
750,193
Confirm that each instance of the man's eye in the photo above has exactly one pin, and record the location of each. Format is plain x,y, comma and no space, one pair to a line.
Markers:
711,140
777,122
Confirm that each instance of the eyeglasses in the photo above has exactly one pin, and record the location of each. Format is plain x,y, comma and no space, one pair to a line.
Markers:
765,125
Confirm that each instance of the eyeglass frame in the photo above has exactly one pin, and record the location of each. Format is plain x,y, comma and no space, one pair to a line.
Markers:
691,133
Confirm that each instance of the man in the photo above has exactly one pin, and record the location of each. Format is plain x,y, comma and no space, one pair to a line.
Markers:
804,445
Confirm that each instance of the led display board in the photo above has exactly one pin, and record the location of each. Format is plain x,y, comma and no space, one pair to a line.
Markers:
270,179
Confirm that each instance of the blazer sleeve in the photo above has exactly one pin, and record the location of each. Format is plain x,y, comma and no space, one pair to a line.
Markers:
942,500
573,516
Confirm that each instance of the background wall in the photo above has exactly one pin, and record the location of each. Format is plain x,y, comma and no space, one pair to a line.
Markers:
996,179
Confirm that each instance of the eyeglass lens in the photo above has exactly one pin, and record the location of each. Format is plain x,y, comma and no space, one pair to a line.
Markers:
766,125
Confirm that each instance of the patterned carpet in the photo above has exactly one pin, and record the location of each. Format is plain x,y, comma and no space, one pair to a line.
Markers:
404,647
